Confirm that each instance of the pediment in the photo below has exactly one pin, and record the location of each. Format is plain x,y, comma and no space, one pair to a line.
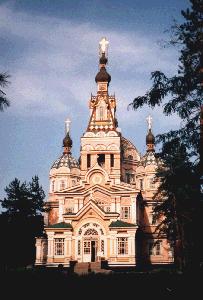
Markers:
91,209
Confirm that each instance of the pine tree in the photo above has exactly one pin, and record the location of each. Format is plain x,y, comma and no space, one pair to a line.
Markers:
4,102
22,222
181,94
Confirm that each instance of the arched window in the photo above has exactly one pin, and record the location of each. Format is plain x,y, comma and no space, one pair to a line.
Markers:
62,185
52,186
91,231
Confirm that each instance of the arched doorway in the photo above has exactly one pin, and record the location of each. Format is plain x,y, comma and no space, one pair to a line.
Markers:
91,243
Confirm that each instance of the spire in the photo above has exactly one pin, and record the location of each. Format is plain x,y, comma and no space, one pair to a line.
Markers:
67,141
102,75
150,139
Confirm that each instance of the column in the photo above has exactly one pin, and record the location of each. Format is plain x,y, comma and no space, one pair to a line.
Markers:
118,204
133,209
61,204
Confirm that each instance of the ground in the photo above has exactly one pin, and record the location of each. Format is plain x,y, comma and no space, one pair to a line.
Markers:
56,283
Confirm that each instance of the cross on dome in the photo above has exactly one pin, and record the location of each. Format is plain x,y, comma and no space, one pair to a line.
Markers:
67,125
103,45
149,122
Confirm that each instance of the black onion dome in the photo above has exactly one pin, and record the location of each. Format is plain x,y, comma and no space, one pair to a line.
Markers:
67,142
150,139
103,76
65,160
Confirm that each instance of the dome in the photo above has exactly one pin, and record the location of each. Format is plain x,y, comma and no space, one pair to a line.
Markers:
65,160
67,142
149,158
150,139
103,76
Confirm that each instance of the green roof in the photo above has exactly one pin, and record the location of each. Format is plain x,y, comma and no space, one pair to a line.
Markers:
120,223
60,225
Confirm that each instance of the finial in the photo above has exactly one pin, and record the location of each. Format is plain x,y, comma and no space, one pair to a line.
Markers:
67,141
103,46
150,139
67,125
149,122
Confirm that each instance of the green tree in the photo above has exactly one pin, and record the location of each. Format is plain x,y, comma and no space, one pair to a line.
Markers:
4,102
22,222
24,199
181,94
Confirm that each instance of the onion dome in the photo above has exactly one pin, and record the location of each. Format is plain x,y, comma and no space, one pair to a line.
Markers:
150,139
103,75
65,160
67,141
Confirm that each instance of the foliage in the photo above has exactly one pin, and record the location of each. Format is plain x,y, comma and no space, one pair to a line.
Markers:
22,222
180,94
24,199
4,102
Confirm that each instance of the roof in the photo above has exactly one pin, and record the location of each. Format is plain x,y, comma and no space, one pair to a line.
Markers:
60,225
65,160
120,223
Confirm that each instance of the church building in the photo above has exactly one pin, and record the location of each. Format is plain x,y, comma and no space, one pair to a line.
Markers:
100,207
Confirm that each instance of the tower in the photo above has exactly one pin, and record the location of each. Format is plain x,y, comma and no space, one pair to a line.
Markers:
100,145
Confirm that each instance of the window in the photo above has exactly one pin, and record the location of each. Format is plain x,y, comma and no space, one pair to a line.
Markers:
102,246
58,246
155,248
62,185
79,247
101,160
70,210
88,160
112,160
151,183
141,184
101,113
130,177
52,185
152,219
125,212
87,247
122,245
107,208
130,157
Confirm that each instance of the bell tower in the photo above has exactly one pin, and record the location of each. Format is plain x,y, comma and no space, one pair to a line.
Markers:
100,145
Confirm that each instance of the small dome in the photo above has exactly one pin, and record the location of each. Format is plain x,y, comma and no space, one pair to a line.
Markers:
150,139
65,160
67,142
103,76
150,158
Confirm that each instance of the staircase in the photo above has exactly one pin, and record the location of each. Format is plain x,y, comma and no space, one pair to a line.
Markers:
84,268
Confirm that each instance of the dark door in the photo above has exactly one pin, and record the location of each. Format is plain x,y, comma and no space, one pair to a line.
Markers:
93,250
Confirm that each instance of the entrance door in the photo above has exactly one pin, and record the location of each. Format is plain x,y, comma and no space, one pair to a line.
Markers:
89,250
93,251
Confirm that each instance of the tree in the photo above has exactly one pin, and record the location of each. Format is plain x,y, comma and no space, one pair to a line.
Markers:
22,221
4,102
25,200
181,94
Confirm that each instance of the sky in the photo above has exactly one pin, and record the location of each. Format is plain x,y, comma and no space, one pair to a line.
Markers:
50,49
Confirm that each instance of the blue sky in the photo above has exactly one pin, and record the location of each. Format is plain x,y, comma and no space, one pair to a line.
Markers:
50,49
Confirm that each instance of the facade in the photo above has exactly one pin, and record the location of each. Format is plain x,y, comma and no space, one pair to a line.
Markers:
101,207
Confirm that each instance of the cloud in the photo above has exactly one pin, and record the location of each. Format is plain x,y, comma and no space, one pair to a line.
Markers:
55,71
